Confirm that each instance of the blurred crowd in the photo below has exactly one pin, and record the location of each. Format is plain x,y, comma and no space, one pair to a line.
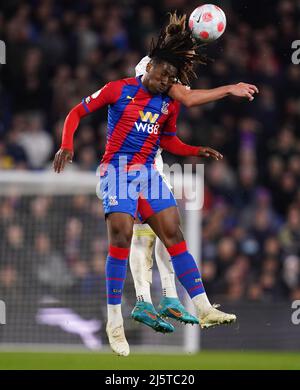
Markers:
52,245
61,51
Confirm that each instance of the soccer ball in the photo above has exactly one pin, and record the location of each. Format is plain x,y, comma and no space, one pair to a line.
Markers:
207,22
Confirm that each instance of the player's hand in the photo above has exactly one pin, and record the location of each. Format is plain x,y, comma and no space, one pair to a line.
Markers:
209,152
243,90
61,158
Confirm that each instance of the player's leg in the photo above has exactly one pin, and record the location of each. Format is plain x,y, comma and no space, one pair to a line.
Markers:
120,212
166,224
157,206
166,270
170,305
119,228
141,262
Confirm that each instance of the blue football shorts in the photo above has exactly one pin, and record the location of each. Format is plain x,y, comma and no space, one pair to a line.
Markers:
140,192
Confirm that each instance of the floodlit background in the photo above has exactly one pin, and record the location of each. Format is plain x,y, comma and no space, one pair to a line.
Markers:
53,245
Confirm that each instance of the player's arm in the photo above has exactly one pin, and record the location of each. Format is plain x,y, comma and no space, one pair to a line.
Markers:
170,142
65,153
107,95
175,146
195,97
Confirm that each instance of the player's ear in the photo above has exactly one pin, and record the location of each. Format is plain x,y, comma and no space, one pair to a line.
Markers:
149,67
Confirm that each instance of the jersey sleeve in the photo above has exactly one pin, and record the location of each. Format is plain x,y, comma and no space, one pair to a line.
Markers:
108,94
70,126
175,146
169,128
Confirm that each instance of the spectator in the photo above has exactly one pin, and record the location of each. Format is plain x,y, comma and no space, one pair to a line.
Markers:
50,270
37,143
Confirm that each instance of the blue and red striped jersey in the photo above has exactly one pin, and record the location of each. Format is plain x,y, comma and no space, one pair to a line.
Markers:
136,120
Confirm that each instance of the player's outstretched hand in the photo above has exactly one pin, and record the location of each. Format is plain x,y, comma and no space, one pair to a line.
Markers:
209,152
61,158
243,90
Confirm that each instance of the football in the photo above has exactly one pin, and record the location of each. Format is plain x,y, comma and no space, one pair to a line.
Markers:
207,22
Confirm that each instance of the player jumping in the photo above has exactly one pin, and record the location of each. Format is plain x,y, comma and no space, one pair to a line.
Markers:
144,239
140,116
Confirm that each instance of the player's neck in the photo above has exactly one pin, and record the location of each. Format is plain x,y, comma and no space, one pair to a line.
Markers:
145,83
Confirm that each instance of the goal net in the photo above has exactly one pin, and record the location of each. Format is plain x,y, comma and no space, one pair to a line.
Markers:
52,265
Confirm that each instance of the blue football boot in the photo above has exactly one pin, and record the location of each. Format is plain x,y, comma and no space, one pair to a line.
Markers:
172,308
145,313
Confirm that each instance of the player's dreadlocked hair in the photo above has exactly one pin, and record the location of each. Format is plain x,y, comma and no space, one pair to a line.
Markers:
177,24
177,46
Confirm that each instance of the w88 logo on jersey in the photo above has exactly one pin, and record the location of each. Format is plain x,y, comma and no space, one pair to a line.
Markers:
150,128
147,123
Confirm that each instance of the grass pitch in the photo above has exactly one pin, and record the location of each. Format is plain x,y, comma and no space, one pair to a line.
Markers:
206,360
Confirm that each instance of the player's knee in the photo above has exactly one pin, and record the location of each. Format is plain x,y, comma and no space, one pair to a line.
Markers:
172,235
172,231
121,235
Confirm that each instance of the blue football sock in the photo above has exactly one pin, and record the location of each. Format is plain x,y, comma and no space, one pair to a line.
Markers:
186,269
116,266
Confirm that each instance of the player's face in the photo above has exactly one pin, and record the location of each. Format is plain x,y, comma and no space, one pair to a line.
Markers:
160,77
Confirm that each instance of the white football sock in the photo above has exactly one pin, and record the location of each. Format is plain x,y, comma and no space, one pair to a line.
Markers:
201,303
114,316
141,260
166,270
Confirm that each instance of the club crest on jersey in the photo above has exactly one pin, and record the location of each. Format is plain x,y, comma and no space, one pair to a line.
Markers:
164,108
87,100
